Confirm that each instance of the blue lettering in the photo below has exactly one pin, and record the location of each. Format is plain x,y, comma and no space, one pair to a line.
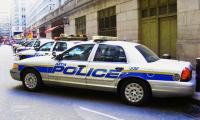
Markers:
112,74
58,69
134,68
97,74
122,75
79,72
90,72
70,70
61,64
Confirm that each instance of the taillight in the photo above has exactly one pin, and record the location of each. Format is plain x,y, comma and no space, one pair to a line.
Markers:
186,74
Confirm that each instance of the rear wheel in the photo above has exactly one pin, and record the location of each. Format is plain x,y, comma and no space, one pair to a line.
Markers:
32,80
134,92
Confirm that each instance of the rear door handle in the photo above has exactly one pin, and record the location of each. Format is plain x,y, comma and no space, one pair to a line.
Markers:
81,66
119,68
46,53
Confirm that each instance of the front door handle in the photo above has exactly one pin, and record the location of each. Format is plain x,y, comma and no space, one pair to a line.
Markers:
46,53
81,66
119,68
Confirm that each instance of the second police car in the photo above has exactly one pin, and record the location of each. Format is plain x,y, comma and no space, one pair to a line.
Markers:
130,69
47,49
32,44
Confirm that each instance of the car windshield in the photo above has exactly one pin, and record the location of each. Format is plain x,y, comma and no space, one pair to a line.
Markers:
148,54
30,44
46,46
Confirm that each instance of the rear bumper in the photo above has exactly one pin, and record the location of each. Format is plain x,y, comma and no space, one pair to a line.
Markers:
15,74
173,88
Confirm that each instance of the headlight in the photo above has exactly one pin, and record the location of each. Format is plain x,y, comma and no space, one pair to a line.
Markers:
15,66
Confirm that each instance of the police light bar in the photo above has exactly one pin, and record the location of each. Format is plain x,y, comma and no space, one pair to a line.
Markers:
74,38
104,38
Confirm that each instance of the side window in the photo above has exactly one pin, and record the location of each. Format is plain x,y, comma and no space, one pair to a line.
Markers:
46,46
37,44
79,52
60,46
110,53
30,44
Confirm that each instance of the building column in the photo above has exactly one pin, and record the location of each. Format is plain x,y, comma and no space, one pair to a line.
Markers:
188,43
91,25
70,29
128,20
49,34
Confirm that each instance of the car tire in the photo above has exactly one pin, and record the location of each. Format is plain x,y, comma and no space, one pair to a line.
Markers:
32,80
134,92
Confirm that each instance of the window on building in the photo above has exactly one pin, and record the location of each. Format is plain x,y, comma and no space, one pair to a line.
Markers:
80,25
152,8
107,22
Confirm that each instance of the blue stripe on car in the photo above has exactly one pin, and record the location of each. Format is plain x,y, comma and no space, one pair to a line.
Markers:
104,73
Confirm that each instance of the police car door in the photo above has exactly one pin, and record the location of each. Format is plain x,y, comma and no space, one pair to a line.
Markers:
72,69
108,62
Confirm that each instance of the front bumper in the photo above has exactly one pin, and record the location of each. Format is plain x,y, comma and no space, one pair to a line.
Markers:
173,88
15,74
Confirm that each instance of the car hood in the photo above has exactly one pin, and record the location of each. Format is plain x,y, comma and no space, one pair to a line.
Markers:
15,45
36,61
172,66
27,52
21,47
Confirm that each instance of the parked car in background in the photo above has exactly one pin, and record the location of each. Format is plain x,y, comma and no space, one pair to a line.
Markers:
18,44
47,49
32,44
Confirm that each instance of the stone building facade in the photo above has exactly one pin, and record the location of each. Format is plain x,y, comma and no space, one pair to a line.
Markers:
166,26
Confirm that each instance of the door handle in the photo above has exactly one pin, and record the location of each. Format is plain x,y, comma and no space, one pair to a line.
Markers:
81,66
46,53
119,68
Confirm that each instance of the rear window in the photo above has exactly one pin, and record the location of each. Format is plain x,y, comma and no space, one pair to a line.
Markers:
148,54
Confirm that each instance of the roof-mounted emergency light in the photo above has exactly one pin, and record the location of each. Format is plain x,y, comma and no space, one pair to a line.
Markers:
104,38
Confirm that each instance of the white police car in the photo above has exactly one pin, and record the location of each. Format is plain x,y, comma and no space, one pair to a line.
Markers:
18,44
130,69
49,48
32,44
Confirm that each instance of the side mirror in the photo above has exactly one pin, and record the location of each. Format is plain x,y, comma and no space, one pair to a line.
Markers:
54,54
36,48
59,57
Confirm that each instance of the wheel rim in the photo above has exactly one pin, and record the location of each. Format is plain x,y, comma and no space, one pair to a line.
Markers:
134,92
30,80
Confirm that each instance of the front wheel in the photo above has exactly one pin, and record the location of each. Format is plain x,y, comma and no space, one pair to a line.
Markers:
135,92
32,80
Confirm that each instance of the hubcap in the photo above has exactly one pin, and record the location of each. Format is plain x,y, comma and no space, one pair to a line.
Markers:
134,92
30,80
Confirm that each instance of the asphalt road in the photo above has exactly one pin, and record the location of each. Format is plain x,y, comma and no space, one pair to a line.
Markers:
60,103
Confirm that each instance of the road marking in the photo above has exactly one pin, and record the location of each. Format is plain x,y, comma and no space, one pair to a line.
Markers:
100,113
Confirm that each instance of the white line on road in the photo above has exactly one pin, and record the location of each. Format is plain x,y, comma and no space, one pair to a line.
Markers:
100,113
